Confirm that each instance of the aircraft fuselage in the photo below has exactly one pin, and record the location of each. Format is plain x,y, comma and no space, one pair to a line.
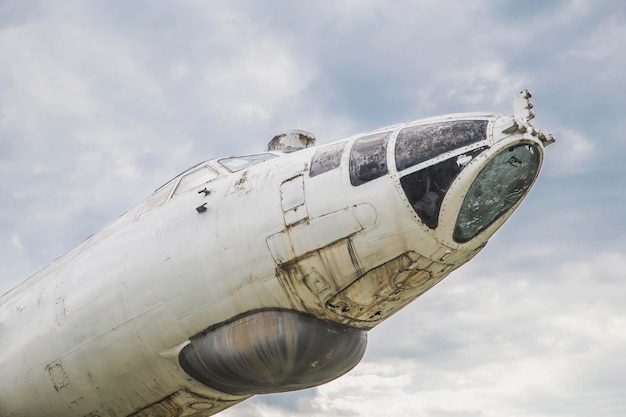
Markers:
260,273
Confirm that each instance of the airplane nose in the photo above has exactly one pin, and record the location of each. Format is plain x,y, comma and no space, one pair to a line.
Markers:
469,188
503,181
426,188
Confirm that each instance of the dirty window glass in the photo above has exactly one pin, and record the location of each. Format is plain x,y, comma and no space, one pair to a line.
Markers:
427,187
326,159
368,158
499,186
237,163
158,198
417,144
195,178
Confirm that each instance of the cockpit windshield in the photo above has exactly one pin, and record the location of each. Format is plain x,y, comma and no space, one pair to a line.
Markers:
237,163
500,185
427,187
195,178
416,144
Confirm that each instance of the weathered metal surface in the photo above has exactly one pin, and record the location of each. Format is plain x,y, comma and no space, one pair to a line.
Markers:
272,351
314,278
292,200
98,332
298,240
382,291
291,141
184,403
57,375
524,114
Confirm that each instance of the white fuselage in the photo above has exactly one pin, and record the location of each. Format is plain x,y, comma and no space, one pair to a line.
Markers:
99,331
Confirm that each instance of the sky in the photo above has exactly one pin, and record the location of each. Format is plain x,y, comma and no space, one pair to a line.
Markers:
102,102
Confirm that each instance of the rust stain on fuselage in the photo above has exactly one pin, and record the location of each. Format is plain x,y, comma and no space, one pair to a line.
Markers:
185,403
241,187
331,283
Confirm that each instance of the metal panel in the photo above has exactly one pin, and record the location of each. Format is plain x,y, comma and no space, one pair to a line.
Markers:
321,231
383,290
292,200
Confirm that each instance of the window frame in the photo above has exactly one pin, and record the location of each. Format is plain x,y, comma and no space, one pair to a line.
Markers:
233,169
203,166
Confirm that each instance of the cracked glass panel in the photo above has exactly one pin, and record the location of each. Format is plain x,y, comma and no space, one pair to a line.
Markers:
500,185
417,144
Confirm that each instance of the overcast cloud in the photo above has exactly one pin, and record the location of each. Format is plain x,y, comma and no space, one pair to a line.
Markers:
102,102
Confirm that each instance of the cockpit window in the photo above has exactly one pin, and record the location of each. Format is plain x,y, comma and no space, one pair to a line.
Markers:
326,159
417,144
500,185
159,197
195,178
427,187
237,163
368,158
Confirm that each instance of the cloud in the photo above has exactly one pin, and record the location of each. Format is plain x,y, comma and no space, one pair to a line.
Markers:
576,153
100,103
603,44
255,82
17,242
55,75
